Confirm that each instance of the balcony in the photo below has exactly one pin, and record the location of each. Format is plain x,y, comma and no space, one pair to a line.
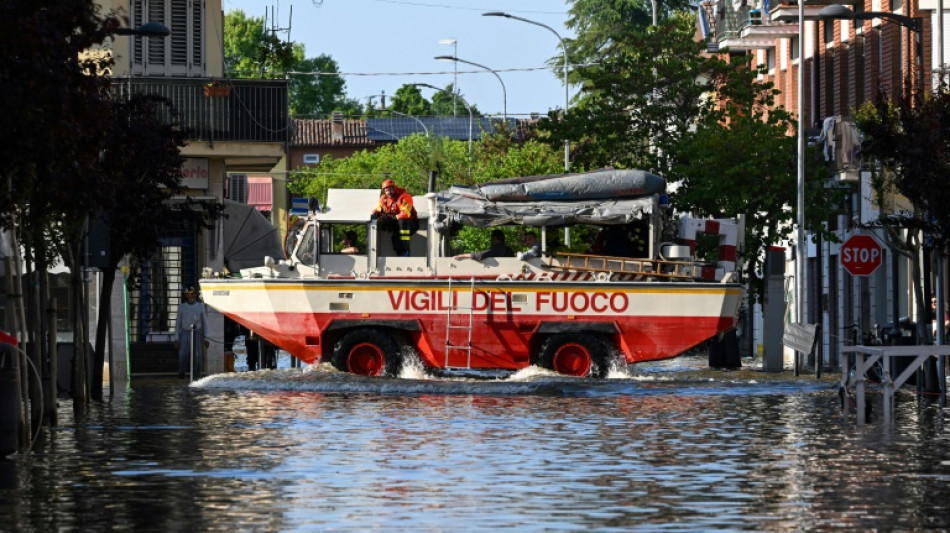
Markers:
742,27
220,109
787,10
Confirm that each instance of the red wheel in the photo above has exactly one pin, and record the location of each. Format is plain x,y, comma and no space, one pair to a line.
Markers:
571,359
366,359
367,352
575,354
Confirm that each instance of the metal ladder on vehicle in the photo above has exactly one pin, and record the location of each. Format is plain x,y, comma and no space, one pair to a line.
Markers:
449,326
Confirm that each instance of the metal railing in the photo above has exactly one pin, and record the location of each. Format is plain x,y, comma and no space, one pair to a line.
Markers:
220,109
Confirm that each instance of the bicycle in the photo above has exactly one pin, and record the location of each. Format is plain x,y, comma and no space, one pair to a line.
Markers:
874,374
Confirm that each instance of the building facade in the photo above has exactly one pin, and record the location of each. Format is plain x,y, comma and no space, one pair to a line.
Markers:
845,64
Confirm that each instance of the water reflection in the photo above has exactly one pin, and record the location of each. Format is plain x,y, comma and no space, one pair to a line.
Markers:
318,450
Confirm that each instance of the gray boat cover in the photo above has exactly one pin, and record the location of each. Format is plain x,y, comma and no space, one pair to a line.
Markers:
597,184
484,213
603,197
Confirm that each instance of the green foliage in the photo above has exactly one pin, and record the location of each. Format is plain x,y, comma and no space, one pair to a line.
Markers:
741,160
408,100
252,52
641,89
911,144
319,94
409,161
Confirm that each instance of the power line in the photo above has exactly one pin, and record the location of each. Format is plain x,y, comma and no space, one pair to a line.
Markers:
435,73
443,6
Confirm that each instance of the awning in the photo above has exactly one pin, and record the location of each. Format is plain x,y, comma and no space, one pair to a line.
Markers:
260,193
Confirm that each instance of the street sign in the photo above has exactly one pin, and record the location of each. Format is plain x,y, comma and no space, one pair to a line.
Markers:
861,255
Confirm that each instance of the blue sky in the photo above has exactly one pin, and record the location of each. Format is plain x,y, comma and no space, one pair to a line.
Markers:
382,44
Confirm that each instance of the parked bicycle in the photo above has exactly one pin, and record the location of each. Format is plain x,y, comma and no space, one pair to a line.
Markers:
875,373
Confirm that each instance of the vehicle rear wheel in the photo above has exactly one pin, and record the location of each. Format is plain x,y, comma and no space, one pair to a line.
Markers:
367,352
575,354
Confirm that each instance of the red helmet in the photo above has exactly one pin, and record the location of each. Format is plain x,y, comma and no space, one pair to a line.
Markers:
388,183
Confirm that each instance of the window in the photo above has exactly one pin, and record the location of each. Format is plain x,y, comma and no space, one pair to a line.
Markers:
829,29
793,44
181,53
237,187
311,159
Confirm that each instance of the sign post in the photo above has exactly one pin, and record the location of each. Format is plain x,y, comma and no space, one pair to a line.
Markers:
861,255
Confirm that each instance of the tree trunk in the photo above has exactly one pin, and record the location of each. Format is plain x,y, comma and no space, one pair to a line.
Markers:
80,372
102,330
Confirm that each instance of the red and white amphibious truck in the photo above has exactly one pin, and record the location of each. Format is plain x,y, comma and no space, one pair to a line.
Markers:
572,313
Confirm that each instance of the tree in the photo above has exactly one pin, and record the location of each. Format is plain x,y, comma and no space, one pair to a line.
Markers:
909,142
410,160
142,169
408,100
740,160
252,52
641,89
316,90
51,86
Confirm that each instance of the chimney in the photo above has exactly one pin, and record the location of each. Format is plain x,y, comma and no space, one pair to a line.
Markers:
336,127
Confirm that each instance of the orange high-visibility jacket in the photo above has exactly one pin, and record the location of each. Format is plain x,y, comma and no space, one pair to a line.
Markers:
399,206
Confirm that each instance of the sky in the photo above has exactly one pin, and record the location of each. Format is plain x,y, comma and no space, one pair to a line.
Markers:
382,44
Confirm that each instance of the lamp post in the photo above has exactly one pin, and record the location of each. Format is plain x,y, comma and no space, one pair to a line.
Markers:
149,29
383,96
424,128
914,24
567,144
802,252
504,92
455,79
455,98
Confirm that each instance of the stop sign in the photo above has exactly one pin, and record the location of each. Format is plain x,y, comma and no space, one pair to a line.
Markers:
860,255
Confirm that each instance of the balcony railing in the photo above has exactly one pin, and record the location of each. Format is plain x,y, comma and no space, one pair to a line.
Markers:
220,109
743,27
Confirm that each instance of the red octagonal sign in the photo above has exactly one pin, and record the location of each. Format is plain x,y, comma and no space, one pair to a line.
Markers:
860,255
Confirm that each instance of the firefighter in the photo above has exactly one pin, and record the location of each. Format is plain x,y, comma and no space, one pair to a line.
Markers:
397,215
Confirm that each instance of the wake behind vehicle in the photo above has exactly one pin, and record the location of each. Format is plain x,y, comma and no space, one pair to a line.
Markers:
573,313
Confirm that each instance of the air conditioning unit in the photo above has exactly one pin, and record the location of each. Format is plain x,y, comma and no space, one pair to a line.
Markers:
237,187
311,159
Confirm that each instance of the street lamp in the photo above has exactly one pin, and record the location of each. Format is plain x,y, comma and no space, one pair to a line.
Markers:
567,144
504,92
149,29
383,96
424,128
455,80
914,24
454,99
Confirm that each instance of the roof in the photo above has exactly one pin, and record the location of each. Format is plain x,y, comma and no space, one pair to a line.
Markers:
377,131
319,132
455,128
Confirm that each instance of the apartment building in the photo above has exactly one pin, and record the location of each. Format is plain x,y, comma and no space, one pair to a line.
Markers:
887,48
236,126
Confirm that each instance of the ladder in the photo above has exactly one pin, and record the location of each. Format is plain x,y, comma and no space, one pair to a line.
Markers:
450,346
638,268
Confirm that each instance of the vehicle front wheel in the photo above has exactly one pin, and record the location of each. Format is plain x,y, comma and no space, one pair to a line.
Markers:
367,352
575,354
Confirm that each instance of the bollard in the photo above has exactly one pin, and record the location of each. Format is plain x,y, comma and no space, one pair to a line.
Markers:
191,359
11,420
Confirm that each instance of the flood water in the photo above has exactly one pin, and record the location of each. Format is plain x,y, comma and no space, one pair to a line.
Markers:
317,450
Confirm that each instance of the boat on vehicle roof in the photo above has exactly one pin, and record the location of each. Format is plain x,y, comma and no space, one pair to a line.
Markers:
576,314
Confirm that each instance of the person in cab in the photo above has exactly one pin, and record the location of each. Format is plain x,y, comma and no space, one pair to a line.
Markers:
397,215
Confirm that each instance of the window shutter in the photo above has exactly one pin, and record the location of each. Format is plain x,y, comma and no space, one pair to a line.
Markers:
237,187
